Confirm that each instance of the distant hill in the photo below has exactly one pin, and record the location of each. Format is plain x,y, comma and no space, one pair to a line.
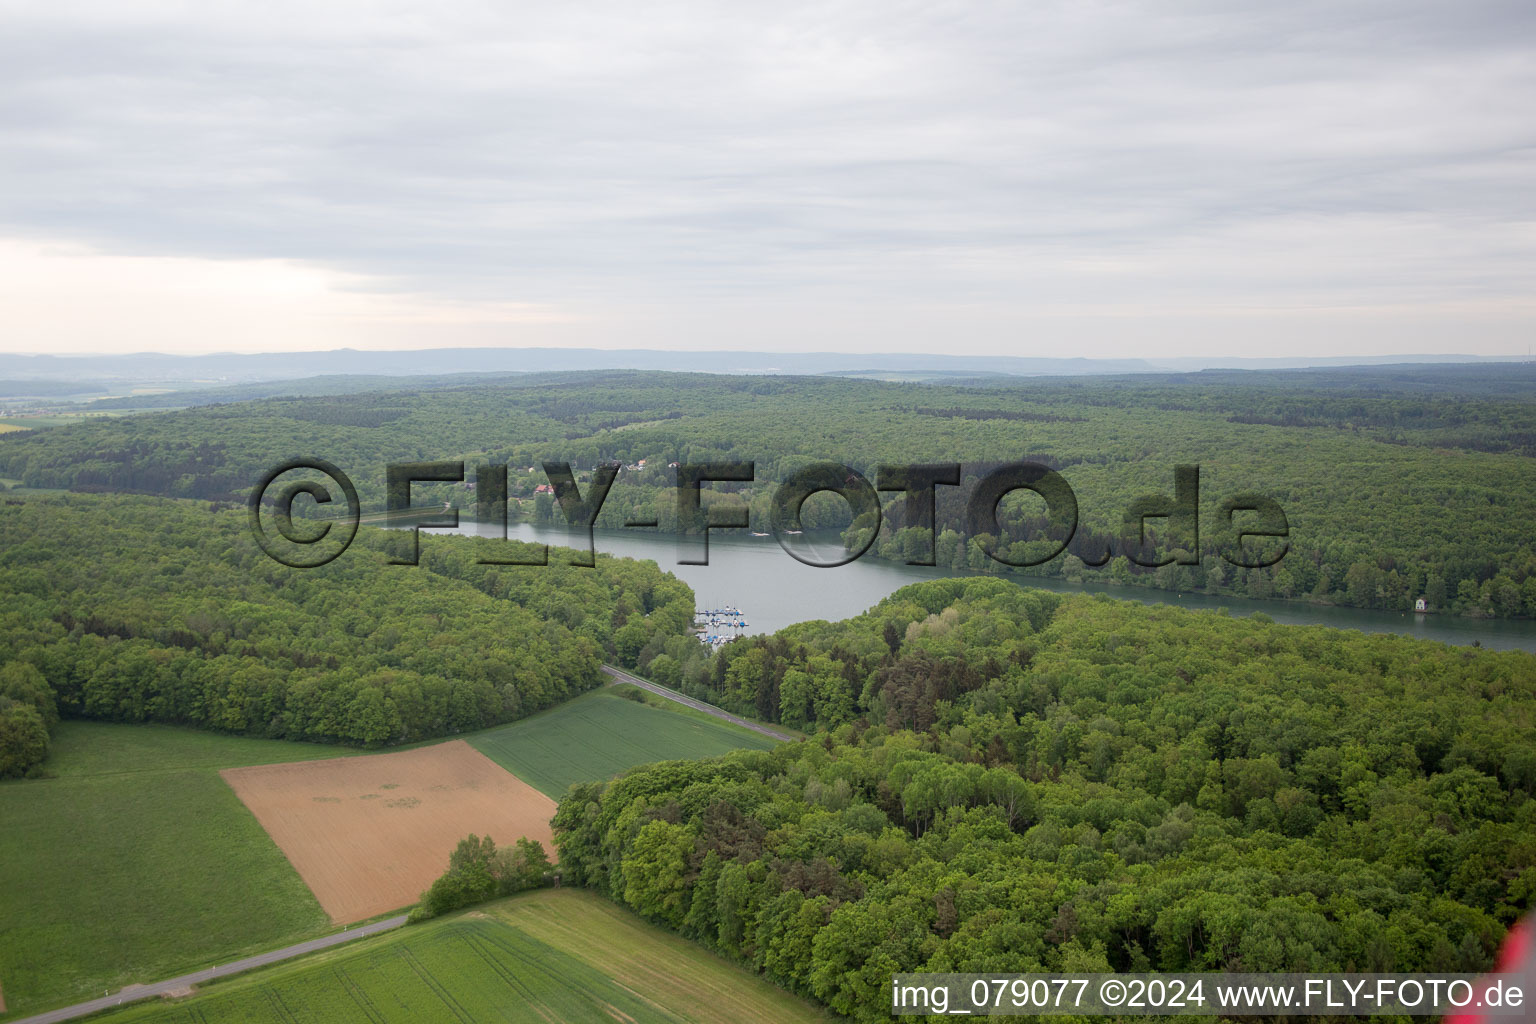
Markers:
36,388
307,387
227,369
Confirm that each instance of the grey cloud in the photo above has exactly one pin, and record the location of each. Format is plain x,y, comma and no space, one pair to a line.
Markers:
886,152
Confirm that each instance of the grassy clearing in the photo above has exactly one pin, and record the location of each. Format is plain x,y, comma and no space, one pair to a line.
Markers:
504,965
598,735
137,862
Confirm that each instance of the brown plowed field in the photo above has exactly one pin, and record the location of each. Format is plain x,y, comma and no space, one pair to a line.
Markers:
368,834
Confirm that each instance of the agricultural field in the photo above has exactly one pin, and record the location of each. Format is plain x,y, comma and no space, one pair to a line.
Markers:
551,955
664,967
134,846
368,834
598,735
135,861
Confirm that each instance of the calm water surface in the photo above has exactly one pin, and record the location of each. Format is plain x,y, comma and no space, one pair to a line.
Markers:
774,591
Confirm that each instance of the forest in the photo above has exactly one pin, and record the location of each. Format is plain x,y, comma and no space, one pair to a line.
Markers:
1398,483
137,609
1006,780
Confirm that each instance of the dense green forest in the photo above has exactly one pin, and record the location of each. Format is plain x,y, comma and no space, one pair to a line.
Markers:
1010,780
1398,483
138,609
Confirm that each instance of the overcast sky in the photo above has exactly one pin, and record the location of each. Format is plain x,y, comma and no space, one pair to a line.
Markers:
1022,178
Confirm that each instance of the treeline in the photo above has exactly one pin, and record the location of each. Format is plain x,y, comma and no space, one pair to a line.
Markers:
142,609
28,713
954,652
479,871
1399,484
1008,781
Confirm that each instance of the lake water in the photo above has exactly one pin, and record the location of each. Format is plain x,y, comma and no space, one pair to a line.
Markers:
774,590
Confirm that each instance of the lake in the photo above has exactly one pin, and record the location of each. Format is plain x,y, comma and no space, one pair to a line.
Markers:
774,590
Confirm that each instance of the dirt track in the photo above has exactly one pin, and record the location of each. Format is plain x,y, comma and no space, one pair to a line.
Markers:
368,834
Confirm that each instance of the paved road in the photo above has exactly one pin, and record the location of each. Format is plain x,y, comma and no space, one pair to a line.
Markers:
131,995
620,676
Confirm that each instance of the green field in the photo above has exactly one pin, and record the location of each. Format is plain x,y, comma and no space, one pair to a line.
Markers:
598,735
142,864
553,955
136,862
661,966
94,749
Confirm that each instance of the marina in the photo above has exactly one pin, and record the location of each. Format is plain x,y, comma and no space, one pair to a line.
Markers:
719,625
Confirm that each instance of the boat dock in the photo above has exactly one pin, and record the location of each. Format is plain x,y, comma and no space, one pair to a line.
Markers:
720,625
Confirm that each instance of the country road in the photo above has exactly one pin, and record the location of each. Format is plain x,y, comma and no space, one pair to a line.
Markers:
135,993
620,676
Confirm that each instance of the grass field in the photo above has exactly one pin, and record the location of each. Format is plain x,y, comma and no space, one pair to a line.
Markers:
553,955
598,735
667,969
137,862
93,749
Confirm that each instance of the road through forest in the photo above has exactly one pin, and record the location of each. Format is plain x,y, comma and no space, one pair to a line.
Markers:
620,676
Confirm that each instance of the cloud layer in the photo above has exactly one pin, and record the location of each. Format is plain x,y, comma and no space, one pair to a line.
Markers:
1009,178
